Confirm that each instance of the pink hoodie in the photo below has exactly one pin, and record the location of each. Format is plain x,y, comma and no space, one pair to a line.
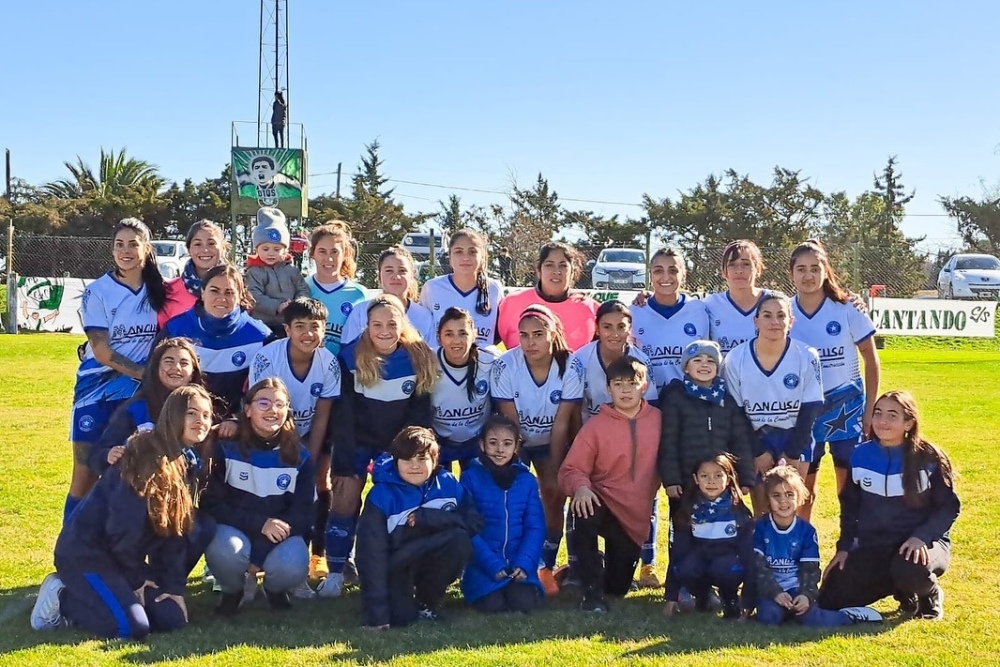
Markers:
615,457
179,300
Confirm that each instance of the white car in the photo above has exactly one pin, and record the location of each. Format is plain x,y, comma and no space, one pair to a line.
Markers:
171,256
419,245
619,268
969,276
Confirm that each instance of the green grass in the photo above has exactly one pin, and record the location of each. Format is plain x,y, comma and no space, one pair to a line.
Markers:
956,390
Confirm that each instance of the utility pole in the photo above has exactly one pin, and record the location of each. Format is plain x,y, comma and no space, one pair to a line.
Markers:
340,166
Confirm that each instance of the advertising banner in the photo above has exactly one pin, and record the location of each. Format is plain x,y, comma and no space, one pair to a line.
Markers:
50,304
270,177
933,317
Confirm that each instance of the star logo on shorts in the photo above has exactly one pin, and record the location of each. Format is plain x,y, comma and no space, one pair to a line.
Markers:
838,425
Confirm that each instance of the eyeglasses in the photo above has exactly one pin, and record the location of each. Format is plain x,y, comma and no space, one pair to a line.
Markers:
266,404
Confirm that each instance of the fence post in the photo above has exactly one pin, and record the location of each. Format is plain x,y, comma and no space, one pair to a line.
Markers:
11,281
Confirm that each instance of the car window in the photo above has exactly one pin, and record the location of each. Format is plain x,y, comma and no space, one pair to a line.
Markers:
632,256
165,249
980,263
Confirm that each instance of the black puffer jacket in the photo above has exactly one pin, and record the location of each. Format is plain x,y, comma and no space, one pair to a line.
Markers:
694,429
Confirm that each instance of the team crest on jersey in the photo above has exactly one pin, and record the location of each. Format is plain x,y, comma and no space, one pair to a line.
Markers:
730,529
273,235
555,396
449,506
346,308
690,329
408,387
482,387
239,358
86,423
316,389
833,327
284,481
791,380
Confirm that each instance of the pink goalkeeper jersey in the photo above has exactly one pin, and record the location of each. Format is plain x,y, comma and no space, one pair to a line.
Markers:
578,314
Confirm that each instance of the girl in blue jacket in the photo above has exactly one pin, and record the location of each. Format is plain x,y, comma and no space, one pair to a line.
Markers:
503,574
122,561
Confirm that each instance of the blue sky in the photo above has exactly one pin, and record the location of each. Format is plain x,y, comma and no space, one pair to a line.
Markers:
609,100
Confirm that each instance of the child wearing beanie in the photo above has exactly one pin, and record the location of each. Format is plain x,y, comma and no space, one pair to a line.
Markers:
272,279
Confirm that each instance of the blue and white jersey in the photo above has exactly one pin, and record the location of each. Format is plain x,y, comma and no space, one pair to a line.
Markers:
878,471
663,332
439,294
835,330
730,326
340,299
108,305
321,381
536,404
595,378
772,399
714,520
419,317
785,549
455,417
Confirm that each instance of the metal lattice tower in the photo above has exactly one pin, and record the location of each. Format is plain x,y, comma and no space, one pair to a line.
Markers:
272,65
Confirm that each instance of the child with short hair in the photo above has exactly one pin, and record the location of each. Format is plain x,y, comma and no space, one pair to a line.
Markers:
713,539
272,278
503,573
413,535
786,560
610,474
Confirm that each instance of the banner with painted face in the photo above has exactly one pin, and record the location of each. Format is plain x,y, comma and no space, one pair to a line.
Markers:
270,177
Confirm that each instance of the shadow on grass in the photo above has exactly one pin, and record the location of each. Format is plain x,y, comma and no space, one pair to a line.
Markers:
332,627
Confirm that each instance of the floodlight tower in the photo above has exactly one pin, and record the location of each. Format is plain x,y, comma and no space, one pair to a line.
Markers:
272,63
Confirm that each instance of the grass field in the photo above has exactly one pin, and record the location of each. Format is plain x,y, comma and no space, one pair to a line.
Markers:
957,391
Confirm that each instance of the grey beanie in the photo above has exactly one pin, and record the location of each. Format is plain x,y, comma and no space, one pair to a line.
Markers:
271,227
692,350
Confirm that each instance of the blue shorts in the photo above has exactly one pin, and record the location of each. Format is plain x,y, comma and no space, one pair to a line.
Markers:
774,441
463,452
535,454
840,451
353,462
87,422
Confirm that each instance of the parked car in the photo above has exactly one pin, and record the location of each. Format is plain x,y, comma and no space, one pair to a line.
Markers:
619,268
171,256
419,245
970,276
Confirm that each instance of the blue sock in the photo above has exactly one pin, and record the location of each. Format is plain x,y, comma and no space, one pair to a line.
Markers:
648,553
71,504
340,531
550,548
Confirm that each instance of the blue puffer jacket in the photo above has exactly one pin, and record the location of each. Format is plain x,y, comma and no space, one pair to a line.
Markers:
512,534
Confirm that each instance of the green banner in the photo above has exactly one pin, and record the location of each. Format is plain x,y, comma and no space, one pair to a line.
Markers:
270,177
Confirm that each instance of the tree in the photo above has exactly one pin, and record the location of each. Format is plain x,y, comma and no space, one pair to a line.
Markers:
117,173
601,232
978,221
450,216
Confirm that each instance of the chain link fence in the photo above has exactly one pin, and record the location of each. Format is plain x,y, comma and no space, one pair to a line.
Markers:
897,268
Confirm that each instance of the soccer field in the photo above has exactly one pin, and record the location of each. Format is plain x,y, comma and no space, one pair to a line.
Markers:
956,390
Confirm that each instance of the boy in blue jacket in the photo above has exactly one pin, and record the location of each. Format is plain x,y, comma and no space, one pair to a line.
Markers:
413,535
503,574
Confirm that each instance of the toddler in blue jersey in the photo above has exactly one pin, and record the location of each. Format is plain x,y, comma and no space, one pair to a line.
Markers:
786,560
713,540
413,535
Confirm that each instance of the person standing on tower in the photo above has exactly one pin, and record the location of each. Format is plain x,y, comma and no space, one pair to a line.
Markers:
279,114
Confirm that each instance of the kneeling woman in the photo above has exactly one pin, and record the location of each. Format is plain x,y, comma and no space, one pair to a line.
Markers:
894,533
122,562
260,492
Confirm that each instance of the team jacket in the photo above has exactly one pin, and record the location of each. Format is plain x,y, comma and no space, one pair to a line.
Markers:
694,429
271,286
129,418
110,530
370,417
513,529
872,509
386,542
244,491
224,347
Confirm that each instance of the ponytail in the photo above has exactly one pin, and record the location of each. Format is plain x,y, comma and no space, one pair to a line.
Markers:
483,306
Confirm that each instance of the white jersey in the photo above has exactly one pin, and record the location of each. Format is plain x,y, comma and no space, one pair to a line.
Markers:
730,326
536,404
419,317
130,323
456,417
595,378
772,399
663,333
439,294
322,380
835,330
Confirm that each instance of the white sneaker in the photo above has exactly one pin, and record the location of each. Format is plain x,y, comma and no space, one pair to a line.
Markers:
331,586
249,589
303,591
862,614
45,614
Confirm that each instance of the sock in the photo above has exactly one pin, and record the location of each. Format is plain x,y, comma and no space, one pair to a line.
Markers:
339,537
319,525
648,553
570,546
68,508
550,548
